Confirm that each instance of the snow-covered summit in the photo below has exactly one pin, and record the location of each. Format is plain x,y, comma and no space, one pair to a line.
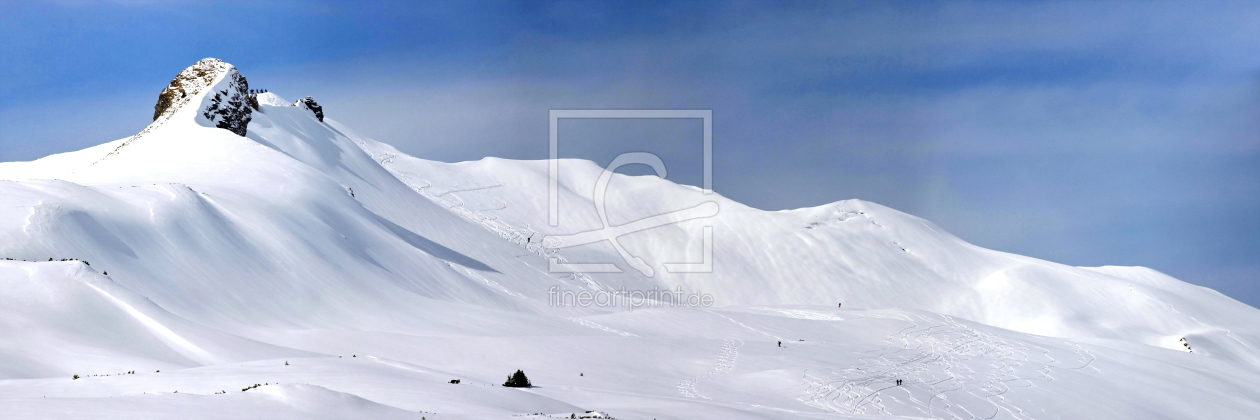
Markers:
271,99
220,91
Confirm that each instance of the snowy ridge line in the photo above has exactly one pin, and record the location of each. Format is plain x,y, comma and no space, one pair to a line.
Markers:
843,216
547,247
490,222
726,359
147,129
953,366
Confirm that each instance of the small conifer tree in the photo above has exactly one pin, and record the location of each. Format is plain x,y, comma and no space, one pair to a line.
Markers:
517,380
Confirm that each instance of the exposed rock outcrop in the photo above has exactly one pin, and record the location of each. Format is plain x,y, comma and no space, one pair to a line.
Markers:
310,104
228,107
252,100
187,84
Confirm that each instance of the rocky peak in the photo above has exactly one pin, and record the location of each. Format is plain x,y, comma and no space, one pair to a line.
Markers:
225,105
313,106
187,84
219,91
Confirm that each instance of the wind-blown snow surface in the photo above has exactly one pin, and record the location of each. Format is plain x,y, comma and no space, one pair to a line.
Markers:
353,281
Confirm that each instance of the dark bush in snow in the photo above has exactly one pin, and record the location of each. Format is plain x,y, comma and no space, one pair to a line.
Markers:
517,380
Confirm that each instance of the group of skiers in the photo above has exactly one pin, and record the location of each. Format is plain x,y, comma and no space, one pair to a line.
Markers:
258,91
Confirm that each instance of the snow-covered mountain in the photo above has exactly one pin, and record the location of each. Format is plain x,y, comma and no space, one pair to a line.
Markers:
245,239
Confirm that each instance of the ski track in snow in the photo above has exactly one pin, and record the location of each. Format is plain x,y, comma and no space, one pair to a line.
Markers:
591,324
1086,358
578,279
490,222
775,337
725,363
949,371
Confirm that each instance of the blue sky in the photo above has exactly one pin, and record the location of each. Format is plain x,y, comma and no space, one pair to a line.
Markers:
1087,133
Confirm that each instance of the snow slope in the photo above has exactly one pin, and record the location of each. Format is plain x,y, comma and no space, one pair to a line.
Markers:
860,253
64,317
351,280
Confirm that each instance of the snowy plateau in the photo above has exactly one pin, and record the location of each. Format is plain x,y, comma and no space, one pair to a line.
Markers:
245,257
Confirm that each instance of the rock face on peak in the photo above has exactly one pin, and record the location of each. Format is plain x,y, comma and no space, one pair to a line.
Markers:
187,84
229,108
226,102
310,104
252,101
